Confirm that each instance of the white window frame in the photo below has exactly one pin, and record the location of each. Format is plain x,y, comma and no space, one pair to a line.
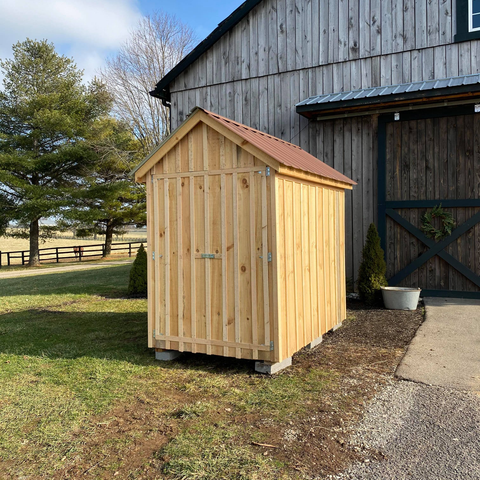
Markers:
470,18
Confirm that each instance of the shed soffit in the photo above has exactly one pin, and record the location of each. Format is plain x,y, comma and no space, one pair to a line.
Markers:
403,91
283,152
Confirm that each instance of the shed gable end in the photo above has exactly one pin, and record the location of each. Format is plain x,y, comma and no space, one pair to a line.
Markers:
198,149
206,149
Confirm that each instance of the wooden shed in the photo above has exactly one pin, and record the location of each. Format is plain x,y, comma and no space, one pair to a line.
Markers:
245,243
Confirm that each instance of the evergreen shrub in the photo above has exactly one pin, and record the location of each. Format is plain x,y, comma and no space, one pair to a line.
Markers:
371,275
138,274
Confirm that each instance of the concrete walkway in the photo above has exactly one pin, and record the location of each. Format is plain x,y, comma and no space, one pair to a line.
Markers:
66,268
428,428
446,349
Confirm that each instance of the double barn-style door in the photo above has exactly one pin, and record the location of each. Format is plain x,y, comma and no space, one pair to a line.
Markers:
212,257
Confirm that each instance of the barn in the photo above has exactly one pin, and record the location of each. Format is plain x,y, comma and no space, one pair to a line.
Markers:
386,92
246,243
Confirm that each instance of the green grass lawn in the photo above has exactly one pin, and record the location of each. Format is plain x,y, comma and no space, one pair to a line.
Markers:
81,395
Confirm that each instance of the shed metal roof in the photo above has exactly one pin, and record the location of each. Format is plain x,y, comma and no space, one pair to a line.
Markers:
284,152
404,91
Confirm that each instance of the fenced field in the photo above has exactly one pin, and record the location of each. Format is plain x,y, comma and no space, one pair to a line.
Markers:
79,252
68,239
63,247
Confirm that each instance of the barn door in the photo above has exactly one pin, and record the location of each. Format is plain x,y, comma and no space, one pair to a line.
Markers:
431,160
212,257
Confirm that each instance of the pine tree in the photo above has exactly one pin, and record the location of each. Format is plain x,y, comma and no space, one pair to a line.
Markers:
371,275
45,114
110,199
138,274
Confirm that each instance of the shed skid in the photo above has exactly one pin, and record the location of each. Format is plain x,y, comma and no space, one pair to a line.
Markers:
246,260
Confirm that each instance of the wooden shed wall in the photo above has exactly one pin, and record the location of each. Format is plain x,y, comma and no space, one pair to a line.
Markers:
310,239
209,196
285,51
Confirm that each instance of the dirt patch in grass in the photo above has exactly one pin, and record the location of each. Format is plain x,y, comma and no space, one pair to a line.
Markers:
224,421
118,445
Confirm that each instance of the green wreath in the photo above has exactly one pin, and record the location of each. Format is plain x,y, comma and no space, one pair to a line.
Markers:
448,223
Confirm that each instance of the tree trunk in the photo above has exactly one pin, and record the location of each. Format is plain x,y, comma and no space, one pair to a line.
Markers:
108,239
34,259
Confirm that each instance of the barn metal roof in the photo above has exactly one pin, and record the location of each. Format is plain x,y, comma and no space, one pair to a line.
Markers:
285,153
404,91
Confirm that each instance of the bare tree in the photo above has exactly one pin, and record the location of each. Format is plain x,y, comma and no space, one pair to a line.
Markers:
158,43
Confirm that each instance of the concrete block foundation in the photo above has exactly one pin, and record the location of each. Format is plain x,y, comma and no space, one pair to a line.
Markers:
336,327
313,344
166,355
271,368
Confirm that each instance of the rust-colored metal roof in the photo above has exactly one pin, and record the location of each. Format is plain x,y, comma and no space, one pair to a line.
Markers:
285,153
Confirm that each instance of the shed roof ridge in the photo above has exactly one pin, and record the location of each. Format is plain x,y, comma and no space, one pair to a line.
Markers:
268,151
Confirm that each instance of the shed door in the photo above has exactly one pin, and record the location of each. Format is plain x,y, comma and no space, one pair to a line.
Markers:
211,262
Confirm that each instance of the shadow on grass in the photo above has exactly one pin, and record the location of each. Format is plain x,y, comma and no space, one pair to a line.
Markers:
110,335
104,335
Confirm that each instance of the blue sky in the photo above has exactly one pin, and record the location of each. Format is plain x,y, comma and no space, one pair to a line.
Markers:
91,30
203,17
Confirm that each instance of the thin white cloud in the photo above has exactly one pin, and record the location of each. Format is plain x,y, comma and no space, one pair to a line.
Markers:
87,30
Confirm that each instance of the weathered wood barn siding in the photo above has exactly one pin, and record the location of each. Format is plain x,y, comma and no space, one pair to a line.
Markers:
284,51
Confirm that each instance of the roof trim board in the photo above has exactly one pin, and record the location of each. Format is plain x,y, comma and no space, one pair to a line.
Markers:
282,156
162,90
413,91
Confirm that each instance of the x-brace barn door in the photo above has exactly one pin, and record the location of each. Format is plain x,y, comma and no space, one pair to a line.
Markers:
428,159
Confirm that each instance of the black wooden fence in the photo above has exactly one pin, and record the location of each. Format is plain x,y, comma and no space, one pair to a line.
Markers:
60,254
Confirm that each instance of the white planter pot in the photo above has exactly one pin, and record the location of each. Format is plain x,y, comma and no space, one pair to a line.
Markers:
400,298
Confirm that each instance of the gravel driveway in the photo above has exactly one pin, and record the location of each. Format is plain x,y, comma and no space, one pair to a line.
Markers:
423,432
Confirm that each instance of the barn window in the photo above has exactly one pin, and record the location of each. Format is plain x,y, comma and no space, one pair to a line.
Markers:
468,20
474,15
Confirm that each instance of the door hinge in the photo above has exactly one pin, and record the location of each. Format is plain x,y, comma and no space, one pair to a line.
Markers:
153,255
271,346
267,172
154,334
